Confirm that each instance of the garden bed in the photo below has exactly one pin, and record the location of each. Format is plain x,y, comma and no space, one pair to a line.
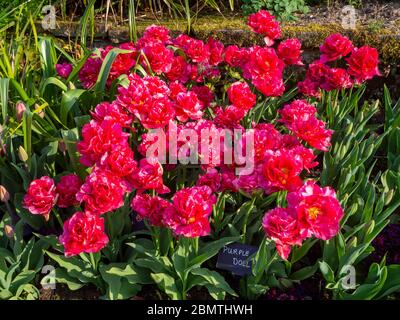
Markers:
89,203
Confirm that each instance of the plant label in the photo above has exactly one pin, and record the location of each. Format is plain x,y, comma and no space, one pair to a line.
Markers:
236,258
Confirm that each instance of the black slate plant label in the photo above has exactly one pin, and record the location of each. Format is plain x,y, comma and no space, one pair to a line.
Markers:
137,224
236,258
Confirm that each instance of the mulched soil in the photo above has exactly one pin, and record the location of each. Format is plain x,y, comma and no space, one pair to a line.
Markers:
379,12
372,13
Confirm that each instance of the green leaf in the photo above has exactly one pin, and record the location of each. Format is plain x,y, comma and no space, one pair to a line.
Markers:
123,281
70,264
76,268
210,250
326,271
75,71
374,283
105,69
27,129
4,88
351,255
152,264
300,252
258,289
71,138
5,294
48,55
304,273
87,16
62,276
214,279
34,221
21,279
392,283
260,259
330,253
194,281
69,100
53,81
167,284
180,257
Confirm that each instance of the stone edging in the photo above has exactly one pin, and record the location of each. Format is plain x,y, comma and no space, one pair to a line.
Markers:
311,35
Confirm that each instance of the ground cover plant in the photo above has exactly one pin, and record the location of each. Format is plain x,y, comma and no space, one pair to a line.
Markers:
128,168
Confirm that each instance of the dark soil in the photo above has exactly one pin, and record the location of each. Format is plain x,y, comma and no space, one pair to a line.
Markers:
309,289
387,243
63,293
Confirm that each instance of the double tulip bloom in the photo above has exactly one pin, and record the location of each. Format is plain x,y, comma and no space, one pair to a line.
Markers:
176,91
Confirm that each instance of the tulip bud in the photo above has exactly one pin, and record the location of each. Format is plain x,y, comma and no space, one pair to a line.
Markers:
71,86
9,230
23,156
3,150
61,146
369,227
39,113
389,197
19,110
349,129
351,243
4,195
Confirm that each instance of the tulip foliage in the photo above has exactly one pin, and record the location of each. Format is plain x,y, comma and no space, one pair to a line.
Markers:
144,160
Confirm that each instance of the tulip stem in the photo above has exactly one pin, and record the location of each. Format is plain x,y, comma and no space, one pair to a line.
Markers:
196,245
109,225
56,214
246,218
171,241
92,261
